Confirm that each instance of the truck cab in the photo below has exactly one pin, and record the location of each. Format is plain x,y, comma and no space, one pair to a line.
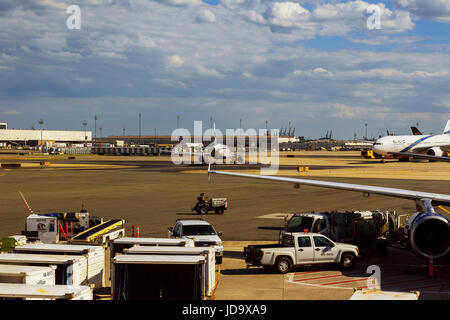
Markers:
201,231
308,222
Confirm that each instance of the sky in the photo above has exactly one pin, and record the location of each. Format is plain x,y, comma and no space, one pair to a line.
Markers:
319,65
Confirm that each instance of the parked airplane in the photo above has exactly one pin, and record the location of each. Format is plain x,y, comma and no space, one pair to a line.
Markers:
428,232
215,152
431,147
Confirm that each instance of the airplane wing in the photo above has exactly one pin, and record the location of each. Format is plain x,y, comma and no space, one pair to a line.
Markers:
420,156
436,198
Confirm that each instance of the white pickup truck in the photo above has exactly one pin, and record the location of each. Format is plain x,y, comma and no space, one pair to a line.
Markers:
301,248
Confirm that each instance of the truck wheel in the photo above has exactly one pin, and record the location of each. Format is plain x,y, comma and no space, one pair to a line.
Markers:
284,265
219,211
203,210
218,260
348,260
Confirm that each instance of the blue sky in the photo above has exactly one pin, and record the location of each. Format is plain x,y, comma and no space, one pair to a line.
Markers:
313,63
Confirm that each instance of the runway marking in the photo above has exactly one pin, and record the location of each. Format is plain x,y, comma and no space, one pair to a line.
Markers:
296,278
325,277
355,280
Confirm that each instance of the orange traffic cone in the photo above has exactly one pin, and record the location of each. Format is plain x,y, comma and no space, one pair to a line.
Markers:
137,231
132,230
431,268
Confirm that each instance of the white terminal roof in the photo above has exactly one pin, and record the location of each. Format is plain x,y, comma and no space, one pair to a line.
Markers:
167,250
69,248
157,259
150,241
38,258
40,291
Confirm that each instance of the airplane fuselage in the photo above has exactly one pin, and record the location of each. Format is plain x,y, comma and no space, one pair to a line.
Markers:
411,143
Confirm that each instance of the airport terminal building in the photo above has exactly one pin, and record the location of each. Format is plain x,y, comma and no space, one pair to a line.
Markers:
20,137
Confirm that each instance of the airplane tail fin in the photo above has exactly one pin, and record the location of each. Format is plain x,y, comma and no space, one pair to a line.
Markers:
215,138
447,127
416,131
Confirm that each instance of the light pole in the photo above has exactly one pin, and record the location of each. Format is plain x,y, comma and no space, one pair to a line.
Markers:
85,136
41,122
95,135
366,130
211,118
178,121
154,140
140,115
100,129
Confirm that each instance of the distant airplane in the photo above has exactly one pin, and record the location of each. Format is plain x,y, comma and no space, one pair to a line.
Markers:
431,147
428,232
219,151
206,155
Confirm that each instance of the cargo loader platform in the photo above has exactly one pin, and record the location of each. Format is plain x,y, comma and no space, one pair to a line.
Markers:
101,233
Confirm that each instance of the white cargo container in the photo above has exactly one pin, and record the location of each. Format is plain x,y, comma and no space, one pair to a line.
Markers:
209,253
95,257
118,245
157,277
70,270
44,292
10,273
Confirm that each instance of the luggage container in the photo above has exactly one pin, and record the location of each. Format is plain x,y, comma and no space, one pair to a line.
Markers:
19,291
157,277
95,256
70,270
10,273
210,255
118,245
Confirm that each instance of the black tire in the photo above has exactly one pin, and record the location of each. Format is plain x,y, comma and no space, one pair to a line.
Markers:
348,261
219,211
203,210
218,260
283,265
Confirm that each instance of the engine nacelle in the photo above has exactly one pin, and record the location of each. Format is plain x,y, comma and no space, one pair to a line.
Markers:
429,234
435,151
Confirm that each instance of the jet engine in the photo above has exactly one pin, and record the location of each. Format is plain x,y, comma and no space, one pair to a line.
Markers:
429,234
435,152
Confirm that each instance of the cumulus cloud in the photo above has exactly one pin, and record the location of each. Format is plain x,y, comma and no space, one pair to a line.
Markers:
181,2
175,61
325,19
381,73
206,15
241,54
438,10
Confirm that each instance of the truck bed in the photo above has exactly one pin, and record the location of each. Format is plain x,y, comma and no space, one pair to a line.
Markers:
252,252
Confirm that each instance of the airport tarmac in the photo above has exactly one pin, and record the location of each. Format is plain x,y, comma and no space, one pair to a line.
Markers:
153,192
